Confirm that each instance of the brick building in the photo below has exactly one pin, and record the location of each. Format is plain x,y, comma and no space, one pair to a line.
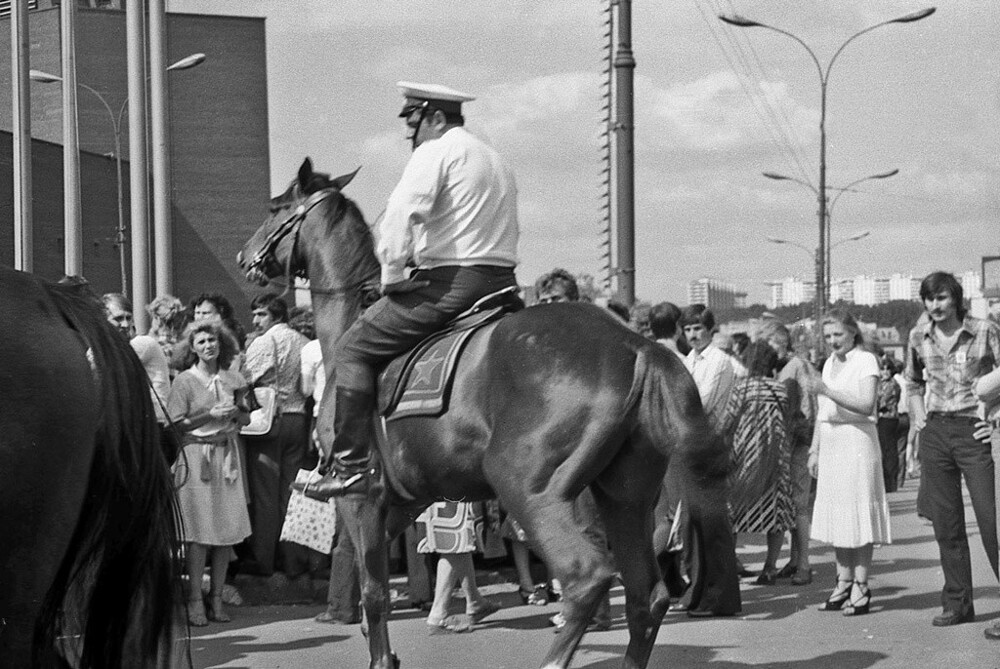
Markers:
218,145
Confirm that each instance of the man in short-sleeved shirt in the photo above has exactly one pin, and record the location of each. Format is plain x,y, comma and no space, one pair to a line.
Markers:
273,360
948,352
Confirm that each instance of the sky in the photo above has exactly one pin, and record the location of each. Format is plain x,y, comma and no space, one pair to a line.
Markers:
715,107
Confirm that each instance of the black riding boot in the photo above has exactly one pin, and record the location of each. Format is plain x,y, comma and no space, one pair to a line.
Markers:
351,441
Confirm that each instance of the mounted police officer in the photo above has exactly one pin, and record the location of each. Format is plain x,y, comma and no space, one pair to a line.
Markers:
452,220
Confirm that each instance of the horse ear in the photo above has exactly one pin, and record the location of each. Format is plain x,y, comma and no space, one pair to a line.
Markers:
305,171
345,179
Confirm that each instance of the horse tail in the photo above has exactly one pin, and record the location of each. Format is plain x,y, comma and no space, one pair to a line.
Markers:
115,589
671,413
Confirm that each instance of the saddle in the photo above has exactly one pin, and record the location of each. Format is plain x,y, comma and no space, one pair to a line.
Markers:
418,382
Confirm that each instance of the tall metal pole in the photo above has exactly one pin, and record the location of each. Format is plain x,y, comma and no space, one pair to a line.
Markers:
162,236
821,286
73,218
21,131
624,70
138,177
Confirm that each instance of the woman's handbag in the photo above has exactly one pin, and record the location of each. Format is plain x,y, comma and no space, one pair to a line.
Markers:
262,418
309,522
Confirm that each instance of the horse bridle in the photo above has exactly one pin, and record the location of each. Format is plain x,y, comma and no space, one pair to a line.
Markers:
292,226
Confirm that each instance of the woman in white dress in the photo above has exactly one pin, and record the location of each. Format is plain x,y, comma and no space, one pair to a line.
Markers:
851,511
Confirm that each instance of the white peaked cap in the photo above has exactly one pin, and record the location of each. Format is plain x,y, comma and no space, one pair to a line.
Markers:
416,91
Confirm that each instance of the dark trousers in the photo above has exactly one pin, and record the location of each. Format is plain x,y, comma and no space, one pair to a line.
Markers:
888,428
272,465
397,323
947,454
343,597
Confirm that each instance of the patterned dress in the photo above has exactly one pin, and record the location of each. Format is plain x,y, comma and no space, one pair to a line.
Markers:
761,493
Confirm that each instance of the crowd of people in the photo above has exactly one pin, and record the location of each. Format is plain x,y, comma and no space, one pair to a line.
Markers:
814,447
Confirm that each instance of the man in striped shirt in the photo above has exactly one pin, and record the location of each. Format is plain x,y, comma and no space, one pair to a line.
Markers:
947,354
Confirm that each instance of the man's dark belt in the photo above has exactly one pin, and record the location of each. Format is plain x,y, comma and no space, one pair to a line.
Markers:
953,416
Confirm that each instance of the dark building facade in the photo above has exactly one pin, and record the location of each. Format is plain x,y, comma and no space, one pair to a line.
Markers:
218,146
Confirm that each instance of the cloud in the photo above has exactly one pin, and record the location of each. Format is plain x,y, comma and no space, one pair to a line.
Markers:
719,112
960,186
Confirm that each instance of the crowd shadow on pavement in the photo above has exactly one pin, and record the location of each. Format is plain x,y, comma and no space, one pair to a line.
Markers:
236,647
695,657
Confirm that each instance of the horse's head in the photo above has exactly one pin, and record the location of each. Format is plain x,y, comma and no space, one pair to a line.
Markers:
273,250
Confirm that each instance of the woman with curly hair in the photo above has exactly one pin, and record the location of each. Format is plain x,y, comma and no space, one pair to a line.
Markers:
210,492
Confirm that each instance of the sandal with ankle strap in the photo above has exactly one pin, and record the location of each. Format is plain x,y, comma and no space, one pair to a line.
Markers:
836,601
537,597
859,606
455,624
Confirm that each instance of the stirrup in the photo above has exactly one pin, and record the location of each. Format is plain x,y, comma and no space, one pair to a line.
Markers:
333,485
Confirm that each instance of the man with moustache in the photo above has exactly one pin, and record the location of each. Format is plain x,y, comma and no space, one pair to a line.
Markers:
709,365
948,353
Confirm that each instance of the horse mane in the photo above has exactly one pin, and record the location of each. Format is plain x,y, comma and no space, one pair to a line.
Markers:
116,586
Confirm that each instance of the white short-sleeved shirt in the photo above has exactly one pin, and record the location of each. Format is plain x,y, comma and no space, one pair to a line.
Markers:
858,366
456,204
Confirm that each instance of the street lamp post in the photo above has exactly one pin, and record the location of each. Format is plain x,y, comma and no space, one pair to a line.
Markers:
815,255
824,77
829,213
849,188
116,125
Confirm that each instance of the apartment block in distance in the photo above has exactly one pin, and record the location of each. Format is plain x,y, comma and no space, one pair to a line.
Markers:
715,294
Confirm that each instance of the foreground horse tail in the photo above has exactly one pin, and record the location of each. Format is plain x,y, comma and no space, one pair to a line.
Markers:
114,591
670,410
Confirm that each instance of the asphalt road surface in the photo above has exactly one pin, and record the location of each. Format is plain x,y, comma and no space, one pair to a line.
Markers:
780,626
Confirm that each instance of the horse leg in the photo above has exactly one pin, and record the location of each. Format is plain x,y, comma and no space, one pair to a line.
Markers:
630,532
560,530
365,518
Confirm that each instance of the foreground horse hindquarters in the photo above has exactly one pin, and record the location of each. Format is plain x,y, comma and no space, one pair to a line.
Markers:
87,538
546,402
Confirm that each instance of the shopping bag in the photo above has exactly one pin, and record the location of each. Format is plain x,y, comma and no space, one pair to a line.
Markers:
309,522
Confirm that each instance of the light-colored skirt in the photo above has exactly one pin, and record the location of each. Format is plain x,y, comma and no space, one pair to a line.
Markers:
851,509
211,496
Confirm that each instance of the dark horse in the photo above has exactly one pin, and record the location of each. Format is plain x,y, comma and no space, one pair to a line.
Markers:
87,533
547,402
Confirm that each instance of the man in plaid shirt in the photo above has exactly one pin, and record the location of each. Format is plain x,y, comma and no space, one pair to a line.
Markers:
948,352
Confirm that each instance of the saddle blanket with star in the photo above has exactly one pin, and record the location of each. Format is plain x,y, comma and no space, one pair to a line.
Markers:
418,383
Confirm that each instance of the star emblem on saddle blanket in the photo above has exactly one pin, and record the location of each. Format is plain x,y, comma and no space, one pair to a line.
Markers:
424,370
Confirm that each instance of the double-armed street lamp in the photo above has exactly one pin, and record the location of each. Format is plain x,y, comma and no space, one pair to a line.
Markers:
185,63
824,77
849,188
815,253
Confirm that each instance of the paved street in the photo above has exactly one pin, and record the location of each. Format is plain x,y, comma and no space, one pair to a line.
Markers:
780,626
